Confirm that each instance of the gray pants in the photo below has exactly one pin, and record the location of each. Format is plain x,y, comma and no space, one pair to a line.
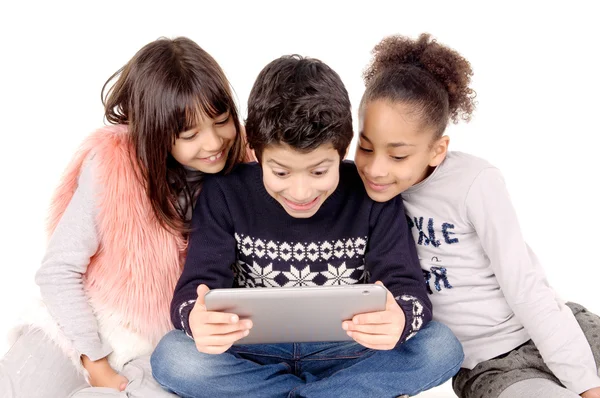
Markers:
521,373
35,367
534,388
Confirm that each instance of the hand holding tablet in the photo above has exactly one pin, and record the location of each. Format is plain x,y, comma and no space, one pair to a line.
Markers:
215,332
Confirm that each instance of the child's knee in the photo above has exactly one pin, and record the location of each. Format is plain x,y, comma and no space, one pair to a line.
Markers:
173,358
178,366
440,346
590,325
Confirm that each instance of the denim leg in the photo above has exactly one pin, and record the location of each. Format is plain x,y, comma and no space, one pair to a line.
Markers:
318,361
430,358
180,368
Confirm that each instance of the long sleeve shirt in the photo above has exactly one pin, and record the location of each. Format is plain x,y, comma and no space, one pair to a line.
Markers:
485,283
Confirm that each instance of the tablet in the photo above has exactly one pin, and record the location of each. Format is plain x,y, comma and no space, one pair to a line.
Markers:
297,314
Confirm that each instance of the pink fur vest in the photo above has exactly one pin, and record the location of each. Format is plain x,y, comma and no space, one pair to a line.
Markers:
130,280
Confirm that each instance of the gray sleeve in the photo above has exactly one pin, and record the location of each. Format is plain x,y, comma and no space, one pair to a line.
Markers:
551,325
60,277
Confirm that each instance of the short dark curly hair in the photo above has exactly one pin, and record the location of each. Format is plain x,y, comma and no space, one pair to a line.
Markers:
300,102
425,74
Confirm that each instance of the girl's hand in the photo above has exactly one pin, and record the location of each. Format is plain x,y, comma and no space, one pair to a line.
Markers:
378,330
102,375
215,332
592,393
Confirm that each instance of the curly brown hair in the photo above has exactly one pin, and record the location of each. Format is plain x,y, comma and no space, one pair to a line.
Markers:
425,74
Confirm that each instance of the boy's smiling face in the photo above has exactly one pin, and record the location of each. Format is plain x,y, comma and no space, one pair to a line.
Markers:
300,181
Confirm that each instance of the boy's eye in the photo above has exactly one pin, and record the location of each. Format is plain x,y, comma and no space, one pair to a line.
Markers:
319,173
280,173
365,149
398,158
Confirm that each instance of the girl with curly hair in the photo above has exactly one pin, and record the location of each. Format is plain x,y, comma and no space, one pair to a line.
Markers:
485,283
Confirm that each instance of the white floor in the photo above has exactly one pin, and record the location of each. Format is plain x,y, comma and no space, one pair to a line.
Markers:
443,391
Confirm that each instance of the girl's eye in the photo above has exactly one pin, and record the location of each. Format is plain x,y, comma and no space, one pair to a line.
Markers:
223,121
363,149
319,173
398,158
189,137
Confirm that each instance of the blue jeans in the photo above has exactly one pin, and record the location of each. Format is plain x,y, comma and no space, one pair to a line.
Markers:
308,369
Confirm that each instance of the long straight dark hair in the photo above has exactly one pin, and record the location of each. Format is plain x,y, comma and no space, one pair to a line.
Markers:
159,93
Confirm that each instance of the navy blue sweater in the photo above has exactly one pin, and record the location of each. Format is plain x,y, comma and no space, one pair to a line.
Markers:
242,237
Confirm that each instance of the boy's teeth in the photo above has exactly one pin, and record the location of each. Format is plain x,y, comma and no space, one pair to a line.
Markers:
213,158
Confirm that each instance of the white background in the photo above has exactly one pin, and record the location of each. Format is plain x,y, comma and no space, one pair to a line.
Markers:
536,75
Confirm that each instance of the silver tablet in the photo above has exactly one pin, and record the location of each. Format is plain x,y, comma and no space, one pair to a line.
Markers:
297,314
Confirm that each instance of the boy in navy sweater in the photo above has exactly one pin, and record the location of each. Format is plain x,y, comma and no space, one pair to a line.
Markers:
301,217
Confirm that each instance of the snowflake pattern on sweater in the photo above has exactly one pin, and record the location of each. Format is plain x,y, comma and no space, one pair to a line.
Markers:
343,259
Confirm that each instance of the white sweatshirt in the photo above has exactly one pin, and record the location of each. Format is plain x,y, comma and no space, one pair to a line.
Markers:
485,282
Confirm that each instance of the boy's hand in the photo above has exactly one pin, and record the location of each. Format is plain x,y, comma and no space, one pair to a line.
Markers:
592,393
215,332
103,375
378,330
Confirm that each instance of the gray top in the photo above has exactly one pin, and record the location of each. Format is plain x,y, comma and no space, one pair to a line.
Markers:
60,277
485,283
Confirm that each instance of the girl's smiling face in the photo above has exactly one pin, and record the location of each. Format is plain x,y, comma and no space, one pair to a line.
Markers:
395,151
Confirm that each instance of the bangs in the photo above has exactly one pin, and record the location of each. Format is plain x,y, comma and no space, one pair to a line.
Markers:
210,101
